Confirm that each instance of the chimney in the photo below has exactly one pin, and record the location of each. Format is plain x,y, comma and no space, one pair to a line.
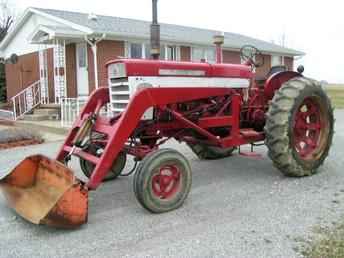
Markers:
155,32
92,17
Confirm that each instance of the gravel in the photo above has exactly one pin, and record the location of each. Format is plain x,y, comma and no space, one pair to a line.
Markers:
18,134
238,207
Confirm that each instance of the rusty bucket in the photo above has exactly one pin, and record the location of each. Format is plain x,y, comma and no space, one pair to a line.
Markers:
44,191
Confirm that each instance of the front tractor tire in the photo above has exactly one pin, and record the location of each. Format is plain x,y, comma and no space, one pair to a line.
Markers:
299,127
162,181
115,171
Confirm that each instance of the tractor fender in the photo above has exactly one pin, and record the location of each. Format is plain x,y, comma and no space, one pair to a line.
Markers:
275,81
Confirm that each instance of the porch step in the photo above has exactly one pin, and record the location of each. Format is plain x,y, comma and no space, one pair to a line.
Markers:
46,111
35,117
50,106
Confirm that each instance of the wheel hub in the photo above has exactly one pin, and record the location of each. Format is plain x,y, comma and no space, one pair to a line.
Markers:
166,182
308,128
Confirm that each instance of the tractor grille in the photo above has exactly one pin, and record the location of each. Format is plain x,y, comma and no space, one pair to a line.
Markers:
119,95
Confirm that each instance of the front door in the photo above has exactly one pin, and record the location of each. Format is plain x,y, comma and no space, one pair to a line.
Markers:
82,69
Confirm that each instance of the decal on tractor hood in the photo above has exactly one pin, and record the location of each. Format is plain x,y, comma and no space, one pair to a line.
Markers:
179,72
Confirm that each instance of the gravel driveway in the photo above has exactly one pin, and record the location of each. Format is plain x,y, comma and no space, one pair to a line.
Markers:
238,207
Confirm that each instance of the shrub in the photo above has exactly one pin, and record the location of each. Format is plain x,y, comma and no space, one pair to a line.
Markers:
2,83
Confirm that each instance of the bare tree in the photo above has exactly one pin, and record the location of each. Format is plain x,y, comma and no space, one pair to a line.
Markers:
6,18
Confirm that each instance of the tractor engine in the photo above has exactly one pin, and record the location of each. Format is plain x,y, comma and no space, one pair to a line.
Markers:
128,76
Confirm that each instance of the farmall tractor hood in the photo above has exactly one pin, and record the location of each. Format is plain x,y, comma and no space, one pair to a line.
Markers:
141,67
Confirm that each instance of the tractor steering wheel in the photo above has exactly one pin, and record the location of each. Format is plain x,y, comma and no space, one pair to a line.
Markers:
252,55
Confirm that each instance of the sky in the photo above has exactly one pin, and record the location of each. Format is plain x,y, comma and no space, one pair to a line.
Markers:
314,27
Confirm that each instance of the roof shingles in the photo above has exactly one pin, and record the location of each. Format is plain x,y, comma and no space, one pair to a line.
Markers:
141,29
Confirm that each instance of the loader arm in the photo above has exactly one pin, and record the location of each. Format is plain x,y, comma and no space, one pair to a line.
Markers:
120,131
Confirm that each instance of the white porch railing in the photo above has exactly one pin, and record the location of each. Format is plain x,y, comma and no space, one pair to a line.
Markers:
23,102
26,100
71,108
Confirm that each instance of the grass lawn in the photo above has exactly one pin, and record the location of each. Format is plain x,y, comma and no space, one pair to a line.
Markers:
327,243
336,93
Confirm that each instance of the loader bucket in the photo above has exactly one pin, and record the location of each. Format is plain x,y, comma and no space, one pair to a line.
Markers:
44,191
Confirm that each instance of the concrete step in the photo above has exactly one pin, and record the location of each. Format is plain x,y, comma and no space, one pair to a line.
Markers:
50,106
46,111
53,113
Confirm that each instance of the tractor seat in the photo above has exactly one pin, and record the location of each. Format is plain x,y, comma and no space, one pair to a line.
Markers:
260,80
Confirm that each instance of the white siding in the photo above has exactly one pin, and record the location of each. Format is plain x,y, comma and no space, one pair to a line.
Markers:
20,44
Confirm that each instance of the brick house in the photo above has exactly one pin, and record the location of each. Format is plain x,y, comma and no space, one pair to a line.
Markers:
64,53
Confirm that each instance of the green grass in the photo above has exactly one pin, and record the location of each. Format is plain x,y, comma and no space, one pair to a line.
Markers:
336,94
327,243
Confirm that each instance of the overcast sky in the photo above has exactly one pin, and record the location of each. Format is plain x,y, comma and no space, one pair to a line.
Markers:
315,27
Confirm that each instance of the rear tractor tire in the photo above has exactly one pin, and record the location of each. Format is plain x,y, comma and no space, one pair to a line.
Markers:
210,152
299,127
115,171
162,181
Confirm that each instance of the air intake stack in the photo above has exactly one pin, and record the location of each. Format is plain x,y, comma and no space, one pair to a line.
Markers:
219,39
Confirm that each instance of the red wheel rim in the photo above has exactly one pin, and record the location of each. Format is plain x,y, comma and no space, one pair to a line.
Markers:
309,129
166,182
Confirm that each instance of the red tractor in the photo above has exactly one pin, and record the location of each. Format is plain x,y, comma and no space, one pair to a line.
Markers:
213,108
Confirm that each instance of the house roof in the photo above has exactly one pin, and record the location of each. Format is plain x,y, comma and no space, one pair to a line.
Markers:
53,31
123,27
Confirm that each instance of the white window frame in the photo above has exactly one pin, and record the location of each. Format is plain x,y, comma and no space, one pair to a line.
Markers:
144,43
204,50
281,60
128,48
176,50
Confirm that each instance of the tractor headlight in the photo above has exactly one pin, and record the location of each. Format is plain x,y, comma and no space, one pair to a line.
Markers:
117,70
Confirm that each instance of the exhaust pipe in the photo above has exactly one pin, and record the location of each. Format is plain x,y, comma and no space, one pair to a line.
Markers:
155,32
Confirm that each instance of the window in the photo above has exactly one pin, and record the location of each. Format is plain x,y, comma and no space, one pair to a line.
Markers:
199,53
171,52
82,55
136,50
210,55
142,50
147,50
162,52
148,53
277,60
